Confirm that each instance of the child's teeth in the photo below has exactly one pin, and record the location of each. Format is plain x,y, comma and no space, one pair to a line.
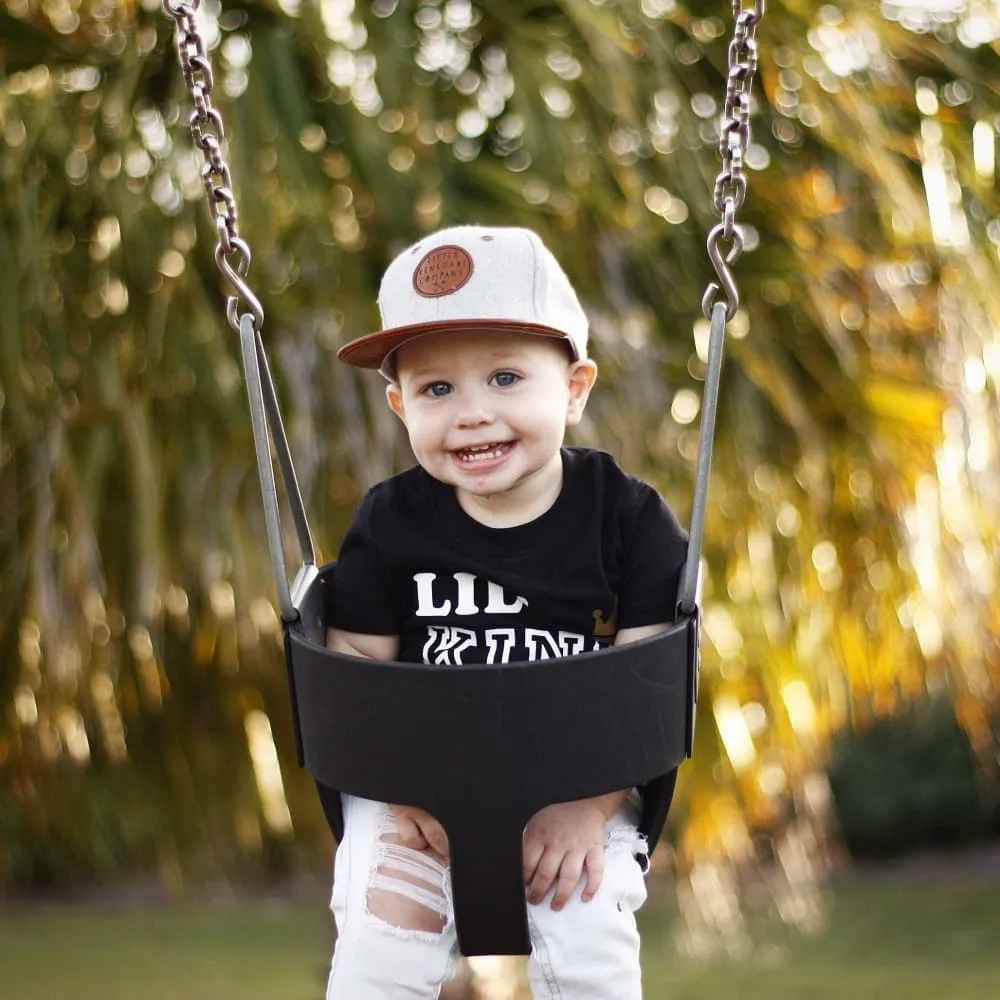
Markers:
481,453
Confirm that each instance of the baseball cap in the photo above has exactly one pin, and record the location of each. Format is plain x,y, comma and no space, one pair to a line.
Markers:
472,278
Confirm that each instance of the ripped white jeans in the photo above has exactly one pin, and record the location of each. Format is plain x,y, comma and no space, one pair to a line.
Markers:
586,951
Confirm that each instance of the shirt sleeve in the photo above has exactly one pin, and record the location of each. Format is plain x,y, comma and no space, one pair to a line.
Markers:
362,598
653,558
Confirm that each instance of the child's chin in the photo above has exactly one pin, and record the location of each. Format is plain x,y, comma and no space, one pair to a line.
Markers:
483,488
481,485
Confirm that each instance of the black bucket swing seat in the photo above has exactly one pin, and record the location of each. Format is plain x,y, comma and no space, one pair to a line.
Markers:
482,747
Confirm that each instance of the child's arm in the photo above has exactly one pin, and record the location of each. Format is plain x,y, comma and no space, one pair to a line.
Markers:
639,632
565,841
373,647
416,828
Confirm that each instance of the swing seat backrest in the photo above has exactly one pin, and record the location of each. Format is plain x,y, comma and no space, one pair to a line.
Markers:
483,748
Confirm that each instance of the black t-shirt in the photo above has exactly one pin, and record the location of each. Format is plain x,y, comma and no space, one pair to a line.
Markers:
606,555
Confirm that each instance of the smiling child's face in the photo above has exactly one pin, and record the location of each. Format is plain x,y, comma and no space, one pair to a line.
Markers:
487,413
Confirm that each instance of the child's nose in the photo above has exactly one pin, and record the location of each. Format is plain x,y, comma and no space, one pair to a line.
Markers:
473,411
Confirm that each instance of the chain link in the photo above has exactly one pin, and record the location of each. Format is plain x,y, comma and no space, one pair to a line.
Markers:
209,136
725,241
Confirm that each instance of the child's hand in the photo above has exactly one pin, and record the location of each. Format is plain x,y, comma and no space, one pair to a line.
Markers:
561,842
419,830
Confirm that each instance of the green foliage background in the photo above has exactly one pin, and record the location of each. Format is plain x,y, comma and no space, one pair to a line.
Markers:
851,545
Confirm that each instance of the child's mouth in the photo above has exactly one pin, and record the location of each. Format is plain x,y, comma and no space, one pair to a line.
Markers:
483,453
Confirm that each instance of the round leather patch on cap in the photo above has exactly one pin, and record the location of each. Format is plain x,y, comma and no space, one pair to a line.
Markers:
443,271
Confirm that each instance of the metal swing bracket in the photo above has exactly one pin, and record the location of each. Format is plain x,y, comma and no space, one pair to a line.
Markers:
688,596
268,430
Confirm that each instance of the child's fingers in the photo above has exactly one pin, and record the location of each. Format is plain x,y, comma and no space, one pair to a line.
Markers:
569,877
410,834
532,852
434,834
545,875
593,865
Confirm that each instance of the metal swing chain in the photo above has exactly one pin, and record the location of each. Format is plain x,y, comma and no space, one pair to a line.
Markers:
232,254
725,241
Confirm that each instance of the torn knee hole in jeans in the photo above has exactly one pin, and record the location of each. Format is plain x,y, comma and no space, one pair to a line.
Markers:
408,890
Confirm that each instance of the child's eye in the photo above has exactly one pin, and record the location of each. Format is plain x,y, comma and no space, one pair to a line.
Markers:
436,389
504,380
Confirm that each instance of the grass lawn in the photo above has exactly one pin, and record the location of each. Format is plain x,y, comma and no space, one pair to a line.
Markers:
250,951
896,939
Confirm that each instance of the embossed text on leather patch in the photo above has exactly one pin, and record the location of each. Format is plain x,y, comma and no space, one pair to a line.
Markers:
443,271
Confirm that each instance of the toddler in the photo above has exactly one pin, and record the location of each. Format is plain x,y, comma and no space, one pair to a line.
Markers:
501,545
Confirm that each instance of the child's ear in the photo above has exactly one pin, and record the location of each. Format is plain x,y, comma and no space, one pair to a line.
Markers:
394,397
582,375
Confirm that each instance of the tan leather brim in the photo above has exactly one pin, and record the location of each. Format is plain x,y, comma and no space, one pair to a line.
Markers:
371,350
